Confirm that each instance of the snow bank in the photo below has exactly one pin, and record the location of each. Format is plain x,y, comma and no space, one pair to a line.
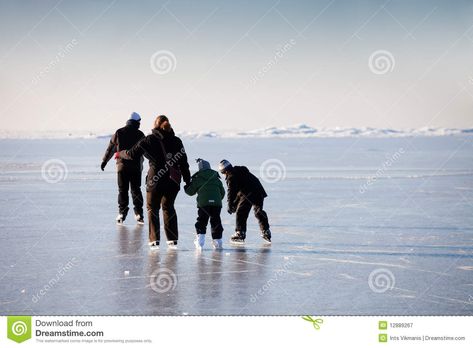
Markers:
296,131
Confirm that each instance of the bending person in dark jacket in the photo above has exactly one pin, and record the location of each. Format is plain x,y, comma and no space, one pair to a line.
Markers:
128,171
244,191
167,162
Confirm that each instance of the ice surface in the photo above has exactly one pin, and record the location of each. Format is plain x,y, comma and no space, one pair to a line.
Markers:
360,226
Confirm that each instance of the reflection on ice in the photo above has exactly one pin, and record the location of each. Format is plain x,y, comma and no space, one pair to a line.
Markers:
412,233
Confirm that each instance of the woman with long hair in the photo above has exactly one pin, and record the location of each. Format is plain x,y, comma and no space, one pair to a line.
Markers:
167,164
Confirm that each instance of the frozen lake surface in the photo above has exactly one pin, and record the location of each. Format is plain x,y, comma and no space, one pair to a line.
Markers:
360,226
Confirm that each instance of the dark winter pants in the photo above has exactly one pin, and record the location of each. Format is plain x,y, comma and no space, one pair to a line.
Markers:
162,198
243,210
129,178
205,214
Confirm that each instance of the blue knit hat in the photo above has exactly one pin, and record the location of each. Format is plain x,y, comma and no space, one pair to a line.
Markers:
203,164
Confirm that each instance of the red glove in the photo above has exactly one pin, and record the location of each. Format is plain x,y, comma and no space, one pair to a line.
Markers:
117,155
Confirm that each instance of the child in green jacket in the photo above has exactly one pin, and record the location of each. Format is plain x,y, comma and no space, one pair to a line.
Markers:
210,192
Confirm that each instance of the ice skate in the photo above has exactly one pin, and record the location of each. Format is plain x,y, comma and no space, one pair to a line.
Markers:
172,244
139,219
266,235
199,241
238,237
217,244
120,219
153,246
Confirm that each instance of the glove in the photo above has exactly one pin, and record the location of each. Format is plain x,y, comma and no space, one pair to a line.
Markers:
117,155
186,186
102,166
230,210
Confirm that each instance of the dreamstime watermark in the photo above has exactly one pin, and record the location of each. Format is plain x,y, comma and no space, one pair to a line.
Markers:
380,172
19,328
381,62
54,171
470,80
272,171
51,284
60,55
278,55
280,273
171,162
163,280
381,280
163,62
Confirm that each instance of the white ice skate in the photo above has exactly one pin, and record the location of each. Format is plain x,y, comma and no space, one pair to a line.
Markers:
153,246
217,244
172,244
139,219
120,219
199,241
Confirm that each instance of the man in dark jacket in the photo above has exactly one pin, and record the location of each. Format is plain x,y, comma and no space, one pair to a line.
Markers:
128,171
167,163
244,191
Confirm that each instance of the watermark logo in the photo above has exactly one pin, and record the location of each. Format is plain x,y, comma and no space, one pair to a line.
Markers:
58,58
381,280
163,62
278,55
277,275
54,171
19,328
382,170
163,280
381,62
53,282
272,171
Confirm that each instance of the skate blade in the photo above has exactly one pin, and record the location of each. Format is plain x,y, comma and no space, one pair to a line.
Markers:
237,242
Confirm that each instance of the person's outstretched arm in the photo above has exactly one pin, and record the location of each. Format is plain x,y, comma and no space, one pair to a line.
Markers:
192,188
231,193
222,190
136,151
111,149
184,164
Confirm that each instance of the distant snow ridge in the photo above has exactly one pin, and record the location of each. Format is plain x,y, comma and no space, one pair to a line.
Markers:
303,130
296,131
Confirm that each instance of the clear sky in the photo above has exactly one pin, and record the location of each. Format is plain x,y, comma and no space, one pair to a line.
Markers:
235,65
